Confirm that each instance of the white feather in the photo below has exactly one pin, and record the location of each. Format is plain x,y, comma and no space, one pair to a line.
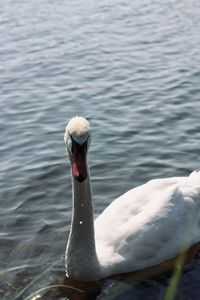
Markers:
144,227
149,224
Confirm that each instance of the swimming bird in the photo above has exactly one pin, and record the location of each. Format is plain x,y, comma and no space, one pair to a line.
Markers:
145,227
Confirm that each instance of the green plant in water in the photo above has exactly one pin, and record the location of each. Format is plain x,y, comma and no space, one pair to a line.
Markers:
37,293
176,278
34,280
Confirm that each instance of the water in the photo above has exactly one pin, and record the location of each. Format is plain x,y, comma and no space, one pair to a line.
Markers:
133,69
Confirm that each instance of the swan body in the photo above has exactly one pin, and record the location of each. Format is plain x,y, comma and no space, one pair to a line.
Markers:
144,227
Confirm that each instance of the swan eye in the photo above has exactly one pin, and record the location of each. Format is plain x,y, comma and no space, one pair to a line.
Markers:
88,141
69,143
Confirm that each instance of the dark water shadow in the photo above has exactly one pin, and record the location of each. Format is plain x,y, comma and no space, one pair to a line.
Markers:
153,283
127,287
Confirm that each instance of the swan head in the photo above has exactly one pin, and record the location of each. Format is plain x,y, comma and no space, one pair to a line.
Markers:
77,140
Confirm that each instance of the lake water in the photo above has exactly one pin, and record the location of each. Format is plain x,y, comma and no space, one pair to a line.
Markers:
133,69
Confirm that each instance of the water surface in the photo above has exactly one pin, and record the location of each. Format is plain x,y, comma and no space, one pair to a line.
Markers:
133,69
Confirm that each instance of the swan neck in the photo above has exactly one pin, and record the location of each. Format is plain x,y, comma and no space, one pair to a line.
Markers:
82,205
81,257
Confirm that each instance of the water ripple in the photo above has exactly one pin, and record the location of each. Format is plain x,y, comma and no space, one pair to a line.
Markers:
131,68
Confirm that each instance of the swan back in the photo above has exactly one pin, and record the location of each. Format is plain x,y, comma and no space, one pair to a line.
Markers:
149,224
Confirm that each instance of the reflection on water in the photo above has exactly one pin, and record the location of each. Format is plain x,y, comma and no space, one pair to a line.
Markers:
52,284
133,69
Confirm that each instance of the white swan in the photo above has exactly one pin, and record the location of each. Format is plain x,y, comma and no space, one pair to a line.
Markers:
146,226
